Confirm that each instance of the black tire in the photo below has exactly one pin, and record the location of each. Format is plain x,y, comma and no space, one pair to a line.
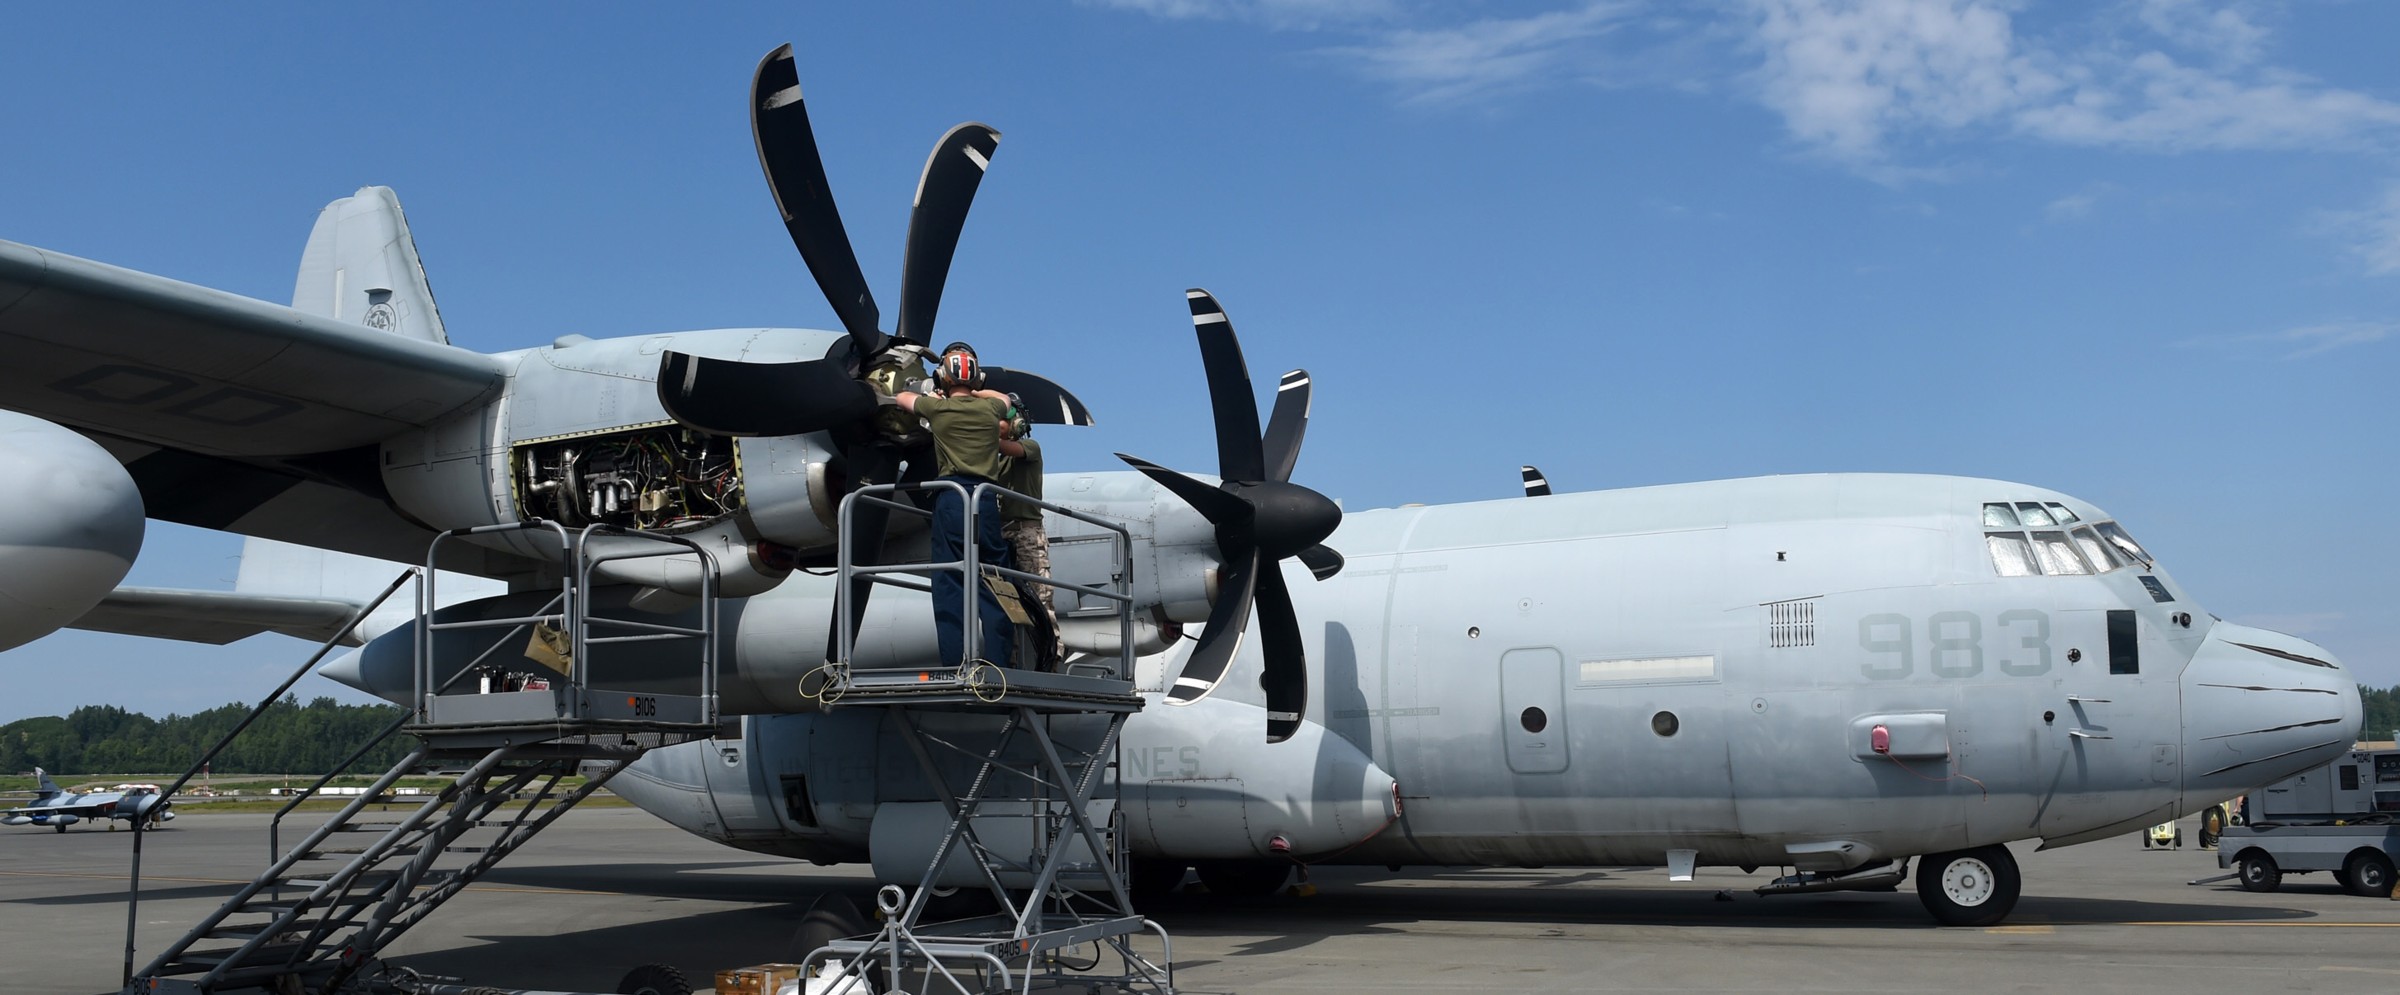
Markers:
2259,872
654,979
1158,878
62,827
2368,874
1975,887
1243,878
833,916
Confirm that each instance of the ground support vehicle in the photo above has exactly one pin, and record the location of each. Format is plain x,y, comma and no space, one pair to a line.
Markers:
2361,857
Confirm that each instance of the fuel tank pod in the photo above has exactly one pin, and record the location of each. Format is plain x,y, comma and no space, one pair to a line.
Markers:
1200,785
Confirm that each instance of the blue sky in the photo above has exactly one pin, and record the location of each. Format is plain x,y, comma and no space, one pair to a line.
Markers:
2145,252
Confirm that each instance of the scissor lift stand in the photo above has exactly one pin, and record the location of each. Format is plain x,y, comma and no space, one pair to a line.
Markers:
1062,883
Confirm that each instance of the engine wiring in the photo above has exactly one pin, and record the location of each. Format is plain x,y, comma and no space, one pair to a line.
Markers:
656,479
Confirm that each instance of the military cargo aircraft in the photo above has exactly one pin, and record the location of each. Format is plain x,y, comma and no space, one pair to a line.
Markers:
1835,674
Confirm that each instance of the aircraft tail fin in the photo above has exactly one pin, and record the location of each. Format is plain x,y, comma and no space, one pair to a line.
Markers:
361,266
45,785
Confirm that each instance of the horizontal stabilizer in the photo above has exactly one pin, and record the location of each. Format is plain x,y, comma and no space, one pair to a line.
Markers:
217,617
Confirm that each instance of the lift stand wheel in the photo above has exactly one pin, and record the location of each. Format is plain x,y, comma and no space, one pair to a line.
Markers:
654,979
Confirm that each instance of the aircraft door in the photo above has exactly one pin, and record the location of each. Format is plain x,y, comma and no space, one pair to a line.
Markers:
1533,713
737,780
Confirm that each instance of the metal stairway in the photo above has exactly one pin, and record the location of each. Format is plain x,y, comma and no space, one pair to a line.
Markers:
317,917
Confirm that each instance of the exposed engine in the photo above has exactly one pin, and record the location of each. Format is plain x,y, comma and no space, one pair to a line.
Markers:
658,478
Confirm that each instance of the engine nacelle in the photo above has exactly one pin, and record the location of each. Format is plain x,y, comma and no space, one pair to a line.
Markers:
70,526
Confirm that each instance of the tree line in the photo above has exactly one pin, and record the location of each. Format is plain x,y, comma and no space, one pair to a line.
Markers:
290,738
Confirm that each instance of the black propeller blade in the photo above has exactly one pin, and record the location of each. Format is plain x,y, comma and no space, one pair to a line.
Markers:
944,192
1261,518
787,151
842,394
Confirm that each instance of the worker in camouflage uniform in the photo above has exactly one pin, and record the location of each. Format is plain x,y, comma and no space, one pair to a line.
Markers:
1022,521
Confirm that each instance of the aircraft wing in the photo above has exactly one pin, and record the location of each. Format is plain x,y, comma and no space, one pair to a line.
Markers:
232,413
216,617
172,364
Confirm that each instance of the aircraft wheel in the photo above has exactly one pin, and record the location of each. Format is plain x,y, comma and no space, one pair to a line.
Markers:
1974,887
62,827
2259,872
2368,874
654,979
833,916
1243,878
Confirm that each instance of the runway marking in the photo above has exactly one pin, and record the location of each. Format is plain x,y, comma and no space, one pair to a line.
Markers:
502,888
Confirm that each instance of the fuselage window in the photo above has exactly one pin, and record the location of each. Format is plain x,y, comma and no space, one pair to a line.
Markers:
2010,555
2057,555
2033,514
2104,557
2116,536
1999,516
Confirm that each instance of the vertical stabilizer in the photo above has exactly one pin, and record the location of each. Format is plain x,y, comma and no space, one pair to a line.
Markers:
48,788
361,266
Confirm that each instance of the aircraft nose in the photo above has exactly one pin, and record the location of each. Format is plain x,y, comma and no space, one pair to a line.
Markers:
2260,706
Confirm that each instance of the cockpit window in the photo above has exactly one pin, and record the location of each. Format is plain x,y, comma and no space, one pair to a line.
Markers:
2057,555
2104,556
2010,555
2115,534
2055,542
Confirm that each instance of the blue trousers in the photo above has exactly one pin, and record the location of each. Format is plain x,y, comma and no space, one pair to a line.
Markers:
995,634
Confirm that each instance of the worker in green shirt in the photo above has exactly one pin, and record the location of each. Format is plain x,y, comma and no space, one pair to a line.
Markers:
966,450
1022,521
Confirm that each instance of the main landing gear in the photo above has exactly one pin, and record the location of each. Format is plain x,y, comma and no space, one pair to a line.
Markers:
1974,887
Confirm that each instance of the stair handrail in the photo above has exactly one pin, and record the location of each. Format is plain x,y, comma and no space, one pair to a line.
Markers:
133,882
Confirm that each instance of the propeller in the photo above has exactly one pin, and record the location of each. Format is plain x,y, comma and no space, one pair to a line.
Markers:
1261,518
844,393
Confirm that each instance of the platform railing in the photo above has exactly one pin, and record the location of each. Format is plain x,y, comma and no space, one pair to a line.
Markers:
570,612
1118,592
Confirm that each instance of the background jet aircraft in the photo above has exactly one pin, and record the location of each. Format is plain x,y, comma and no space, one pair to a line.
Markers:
1836,674
58,808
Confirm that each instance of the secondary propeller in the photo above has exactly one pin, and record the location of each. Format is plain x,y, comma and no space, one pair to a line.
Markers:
1261,518
843,394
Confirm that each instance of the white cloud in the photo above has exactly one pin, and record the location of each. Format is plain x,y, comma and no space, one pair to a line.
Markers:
2228,32
1463,62
1849,75
2374,232
2073,207
1864,82
2157,104
1845,73
2304,341
1301,15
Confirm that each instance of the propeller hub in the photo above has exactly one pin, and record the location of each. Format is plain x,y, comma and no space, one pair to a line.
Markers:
1286,517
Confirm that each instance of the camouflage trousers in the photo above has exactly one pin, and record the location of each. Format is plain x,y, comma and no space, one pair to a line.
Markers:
1033,554
1032,549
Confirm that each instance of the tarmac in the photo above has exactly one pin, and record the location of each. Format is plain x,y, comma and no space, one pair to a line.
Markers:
607,889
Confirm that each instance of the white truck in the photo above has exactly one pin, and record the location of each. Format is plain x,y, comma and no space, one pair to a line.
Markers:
2343,817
